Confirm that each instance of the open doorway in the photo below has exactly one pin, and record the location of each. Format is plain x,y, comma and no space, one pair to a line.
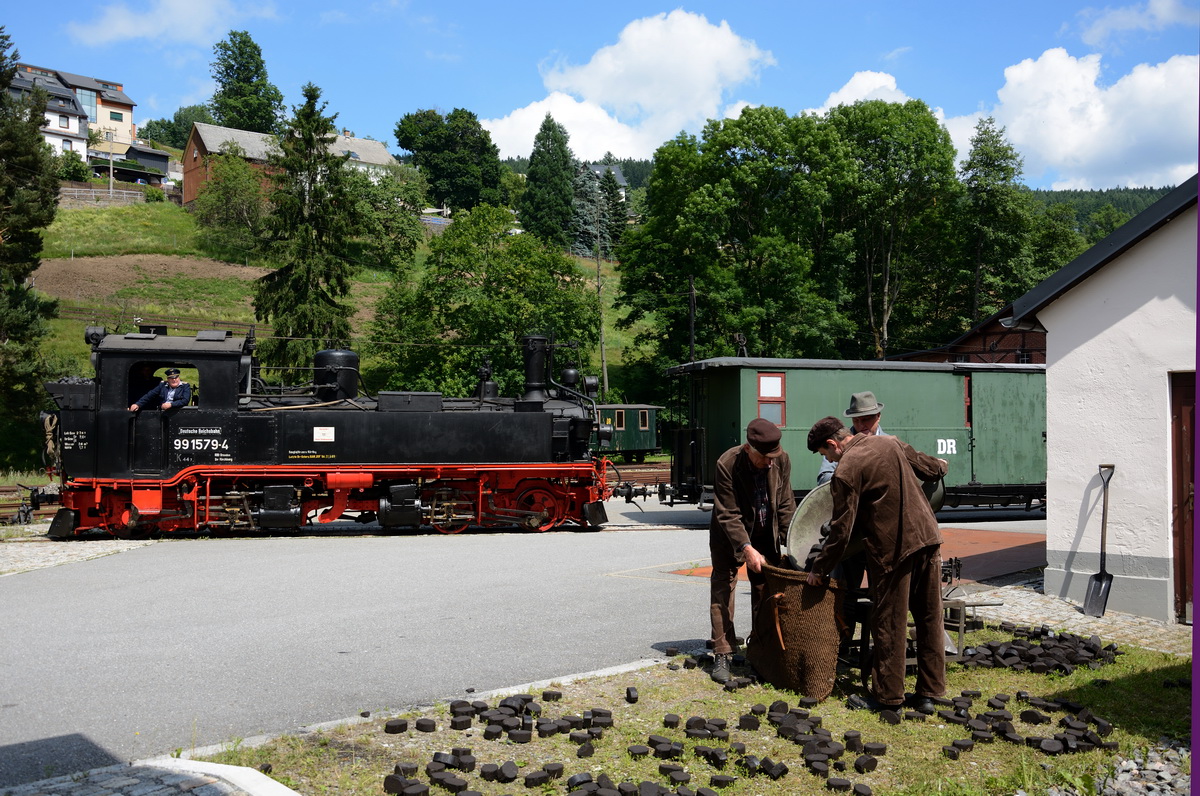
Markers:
1183,488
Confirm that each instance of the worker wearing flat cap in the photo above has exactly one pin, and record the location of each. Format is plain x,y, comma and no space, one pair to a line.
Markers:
752,508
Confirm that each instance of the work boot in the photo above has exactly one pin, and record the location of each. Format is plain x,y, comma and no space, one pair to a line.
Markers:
720,669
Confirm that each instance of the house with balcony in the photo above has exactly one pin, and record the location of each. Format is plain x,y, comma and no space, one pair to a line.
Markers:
109,110
66,126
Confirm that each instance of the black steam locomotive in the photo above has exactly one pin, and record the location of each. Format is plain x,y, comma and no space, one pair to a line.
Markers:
245,457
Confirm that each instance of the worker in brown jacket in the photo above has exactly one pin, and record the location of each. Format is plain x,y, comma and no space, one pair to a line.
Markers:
753,505
877,496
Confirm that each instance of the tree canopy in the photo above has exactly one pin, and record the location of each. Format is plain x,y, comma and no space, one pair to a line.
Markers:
545,208
231,207
245,99
481,291
457,156
844,235
28,202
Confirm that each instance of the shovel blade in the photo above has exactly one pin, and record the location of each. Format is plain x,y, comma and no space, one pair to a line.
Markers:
1096,600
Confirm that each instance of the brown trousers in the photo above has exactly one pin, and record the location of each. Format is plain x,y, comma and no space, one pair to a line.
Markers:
722,593
915,585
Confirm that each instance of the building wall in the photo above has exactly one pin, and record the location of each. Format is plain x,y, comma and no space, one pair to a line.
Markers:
55,133
1112,342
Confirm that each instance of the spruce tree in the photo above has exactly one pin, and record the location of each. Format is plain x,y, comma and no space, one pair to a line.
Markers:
546,204
614,207
245,98
28,201
309,233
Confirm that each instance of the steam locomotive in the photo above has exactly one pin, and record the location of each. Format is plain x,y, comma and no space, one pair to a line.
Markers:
245,457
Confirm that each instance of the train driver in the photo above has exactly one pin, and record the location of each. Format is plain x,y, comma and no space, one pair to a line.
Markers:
172,393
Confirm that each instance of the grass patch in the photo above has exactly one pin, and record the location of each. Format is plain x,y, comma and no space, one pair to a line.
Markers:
154,228
355,758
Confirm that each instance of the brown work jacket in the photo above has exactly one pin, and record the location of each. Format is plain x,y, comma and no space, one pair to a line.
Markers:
733,502
877,496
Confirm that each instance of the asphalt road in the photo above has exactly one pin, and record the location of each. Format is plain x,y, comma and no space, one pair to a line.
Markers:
193,642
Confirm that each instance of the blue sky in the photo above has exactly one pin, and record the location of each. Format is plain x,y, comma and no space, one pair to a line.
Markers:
1092,95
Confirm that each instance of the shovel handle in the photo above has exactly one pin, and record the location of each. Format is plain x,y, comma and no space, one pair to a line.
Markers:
1106,474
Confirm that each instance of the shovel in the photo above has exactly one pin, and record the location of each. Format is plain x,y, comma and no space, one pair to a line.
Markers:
1100,584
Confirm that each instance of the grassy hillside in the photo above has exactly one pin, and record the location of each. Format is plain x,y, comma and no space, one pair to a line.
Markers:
130,262
154,228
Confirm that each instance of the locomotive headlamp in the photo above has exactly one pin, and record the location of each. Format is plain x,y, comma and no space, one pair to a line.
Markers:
604,434
591,386
92,335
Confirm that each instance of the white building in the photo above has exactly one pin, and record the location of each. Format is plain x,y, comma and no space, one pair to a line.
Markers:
1120,325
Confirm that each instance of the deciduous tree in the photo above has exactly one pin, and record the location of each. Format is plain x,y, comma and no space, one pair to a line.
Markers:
245,98
310,233
231,207
481,291
457,155
174,132
896,211
546,205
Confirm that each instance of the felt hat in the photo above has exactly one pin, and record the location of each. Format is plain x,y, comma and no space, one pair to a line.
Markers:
862,404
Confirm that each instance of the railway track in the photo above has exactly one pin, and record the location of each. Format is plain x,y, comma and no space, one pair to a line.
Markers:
15,508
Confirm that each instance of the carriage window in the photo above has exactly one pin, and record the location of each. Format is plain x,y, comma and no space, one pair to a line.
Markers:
619,423
772,398
644,419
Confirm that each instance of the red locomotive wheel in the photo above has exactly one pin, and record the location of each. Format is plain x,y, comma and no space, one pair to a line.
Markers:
548,508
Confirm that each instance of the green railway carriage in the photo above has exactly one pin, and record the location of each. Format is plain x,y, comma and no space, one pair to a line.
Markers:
635,430
987,421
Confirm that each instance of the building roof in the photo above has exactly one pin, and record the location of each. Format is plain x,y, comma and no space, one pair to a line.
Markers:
103,88
600,168
1124,238
764,363
60,98
258,146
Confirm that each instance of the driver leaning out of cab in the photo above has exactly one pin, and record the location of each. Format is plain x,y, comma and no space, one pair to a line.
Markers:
171,394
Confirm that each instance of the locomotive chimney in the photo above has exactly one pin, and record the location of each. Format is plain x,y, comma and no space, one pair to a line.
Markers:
534,348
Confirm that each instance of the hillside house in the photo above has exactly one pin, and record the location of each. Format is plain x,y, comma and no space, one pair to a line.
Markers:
989,342
364,154
599,168
66,127
109,110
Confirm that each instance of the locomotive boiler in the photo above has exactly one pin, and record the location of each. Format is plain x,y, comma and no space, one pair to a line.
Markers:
244,456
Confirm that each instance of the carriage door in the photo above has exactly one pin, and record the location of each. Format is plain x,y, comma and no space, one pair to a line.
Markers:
1183,488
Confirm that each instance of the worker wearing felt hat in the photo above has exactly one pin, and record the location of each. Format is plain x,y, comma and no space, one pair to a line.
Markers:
864,414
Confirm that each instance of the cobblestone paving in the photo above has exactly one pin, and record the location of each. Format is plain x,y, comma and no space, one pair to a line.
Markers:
1025,604
129,781
35,552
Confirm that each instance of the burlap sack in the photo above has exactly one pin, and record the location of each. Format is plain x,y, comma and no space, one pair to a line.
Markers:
795,640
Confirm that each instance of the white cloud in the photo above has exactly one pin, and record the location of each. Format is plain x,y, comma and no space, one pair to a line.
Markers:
1154,15
165,22
665,73
896,53
1141,130
864,86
